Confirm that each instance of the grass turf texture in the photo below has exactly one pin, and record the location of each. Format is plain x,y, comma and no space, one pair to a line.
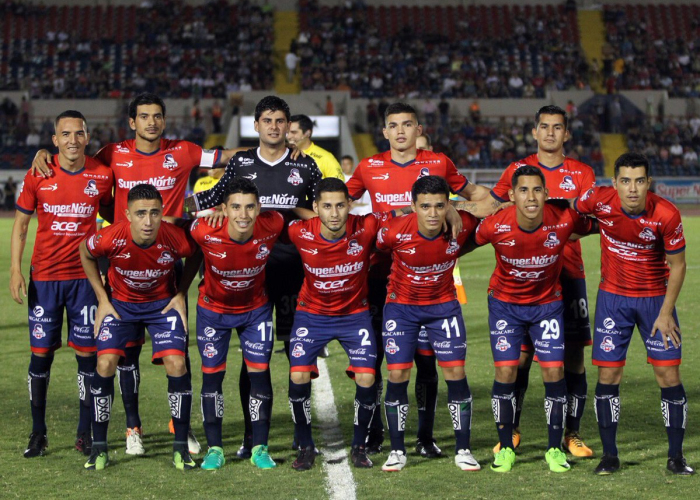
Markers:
642,438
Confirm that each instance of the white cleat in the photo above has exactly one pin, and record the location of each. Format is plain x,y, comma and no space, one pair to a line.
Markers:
395,462
466,461
134,441
192,444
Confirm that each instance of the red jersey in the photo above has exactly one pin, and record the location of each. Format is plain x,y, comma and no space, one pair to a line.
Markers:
168,169
234,273
136,273
421,271
335,272
66,204
389,183
633,248
569,180
528,263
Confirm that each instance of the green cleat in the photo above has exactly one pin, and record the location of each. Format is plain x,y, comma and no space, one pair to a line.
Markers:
557,460
261,458
99,459
182,460
503,460
214,459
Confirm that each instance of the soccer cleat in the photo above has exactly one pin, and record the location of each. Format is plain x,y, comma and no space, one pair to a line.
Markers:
678,466
192,444
503,460
243,452
38,442
171,427
182,460
134,441
83,443
466,461
516,441
358,457
575,445
305,458
214,459
557,460
375,438
608,464
261,457
395,462
99,459
427,448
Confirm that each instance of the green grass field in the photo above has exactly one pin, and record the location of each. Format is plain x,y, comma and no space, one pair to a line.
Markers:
642,439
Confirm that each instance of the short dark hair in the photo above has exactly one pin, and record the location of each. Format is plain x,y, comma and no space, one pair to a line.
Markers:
348,157
330,185
632,160
71,113
399,107
271,103
243,186
526,170
144,192
142,99
428,139
552,110
430,184
305,123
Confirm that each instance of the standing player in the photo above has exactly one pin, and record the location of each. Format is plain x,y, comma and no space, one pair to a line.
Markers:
66,206
642,272
299,136
566,178
525,299
421,295
284,183
363,206
233,295
388,178
142,253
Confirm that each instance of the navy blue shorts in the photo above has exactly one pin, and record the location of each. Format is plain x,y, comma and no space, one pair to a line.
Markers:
443,324
615,318
312,332
167,331
214,335
510,324
47,300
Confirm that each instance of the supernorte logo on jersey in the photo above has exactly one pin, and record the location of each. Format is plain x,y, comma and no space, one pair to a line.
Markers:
282,200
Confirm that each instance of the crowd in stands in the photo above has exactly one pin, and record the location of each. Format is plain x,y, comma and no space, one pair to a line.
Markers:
672,145
167,47
653,47
498,51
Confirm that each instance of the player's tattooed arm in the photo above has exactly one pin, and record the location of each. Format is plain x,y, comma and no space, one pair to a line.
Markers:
18,285
92,271
665,323
41,163
481,208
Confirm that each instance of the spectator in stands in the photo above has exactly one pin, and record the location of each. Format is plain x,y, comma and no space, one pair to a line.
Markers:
10,191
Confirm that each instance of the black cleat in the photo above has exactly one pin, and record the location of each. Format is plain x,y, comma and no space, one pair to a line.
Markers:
358,457
608,464
83,443
244,452
375,438
678,466
38,442
427,448
305,458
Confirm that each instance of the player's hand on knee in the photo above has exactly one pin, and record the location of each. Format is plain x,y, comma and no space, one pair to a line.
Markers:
104,309
179,305
666,325
41,163
18,287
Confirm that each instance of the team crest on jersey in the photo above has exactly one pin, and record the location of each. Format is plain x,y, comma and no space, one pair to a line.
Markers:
568,183
552,240
91,188
209,351
391,347
105,334
263,252
354,248
294,177
169,162
453,247
38,332
209,331
647,234
424,172
165,258
298,351
607,344
677,235
502,344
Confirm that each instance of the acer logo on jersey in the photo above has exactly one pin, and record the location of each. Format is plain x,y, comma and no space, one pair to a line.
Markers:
330,285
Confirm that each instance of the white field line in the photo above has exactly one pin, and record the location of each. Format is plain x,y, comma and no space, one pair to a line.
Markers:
339,480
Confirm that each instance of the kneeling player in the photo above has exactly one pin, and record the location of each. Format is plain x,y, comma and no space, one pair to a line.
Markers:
421,273
142,252
232,295
525,299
